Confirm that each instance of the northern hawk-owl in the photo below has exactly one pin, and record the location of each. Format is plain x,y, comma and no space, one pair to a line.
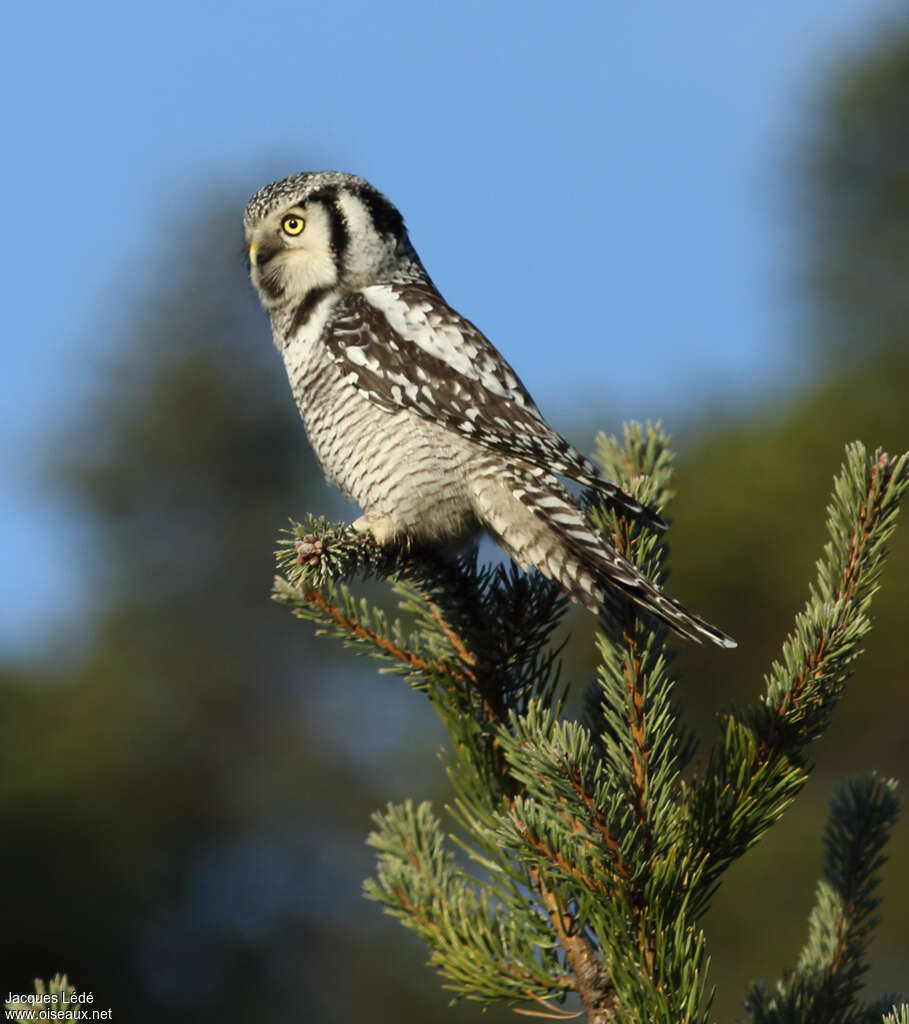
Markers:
411,411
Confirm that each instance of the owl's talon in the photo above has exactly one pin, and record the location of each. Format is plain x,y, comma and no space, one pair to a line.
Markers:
382,530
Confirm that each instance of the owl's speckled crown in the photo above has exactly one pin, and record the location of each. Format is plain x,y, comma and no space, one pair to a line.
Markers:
297,188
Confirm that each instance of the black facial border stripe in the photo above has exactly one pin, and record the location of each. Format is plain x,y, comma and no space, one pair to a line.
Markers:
340,237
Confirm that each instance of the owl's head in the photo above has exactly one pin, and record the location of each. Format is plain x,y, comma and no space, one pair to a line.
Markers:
320,231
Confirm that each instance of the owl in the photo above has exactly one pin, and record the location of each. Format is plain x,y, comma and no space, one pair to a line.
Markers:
412,412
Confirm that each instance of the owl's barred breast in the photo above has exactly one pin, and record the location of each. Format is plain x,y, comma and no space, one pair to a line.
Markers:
399,468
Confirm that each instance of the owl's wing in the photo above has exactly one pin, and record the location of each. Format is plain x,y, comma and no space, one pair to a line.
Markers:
402,347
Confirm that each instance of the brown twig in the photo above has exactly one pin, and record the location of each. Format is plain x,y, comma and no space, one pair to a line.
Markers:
640,763
453,638
611,843
357,629
631,670
592,982
558,860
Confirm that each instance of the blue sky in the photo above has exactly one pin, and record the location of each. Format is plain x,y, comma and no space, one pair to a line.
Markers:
600,187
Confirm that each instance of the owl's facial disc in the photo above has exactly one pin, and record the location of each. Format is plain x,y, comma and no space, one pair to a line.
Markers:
290,253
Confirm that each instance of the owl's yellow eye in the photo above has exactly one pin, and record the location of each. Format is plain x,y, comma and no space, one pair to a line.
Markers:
292,224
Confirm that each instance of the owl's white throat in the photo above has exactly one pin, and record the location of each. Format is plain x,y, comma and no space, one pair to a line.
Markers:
291,276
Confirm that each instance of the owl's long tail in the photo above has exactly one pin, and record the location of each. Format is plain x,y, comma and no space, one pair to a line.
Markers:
538,524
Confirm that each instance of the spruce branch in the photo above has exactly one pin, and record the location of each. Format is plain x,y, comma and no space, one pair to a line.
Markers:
760,765
482,951
822,988
594,859
643,750
57,989
318,559
897,1015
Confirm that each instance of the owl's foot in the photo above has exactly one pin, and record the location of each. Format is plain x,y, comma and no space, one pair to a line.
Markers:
383,530
309,549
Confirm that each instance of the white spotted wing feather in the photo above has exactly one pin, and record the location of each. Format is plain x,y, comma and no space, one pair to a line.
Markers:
404,348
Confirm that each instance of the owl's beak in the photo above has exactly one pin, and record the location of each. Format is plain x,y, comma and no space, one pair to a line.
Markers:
253,252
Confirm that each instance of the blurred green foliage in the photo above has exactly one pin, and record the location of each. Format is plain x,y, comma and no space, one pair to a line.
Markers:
184,797
853,191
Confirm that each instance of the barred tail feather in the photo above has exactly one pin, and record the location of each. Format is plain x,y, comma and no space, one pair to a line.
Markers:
674,614
544,528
